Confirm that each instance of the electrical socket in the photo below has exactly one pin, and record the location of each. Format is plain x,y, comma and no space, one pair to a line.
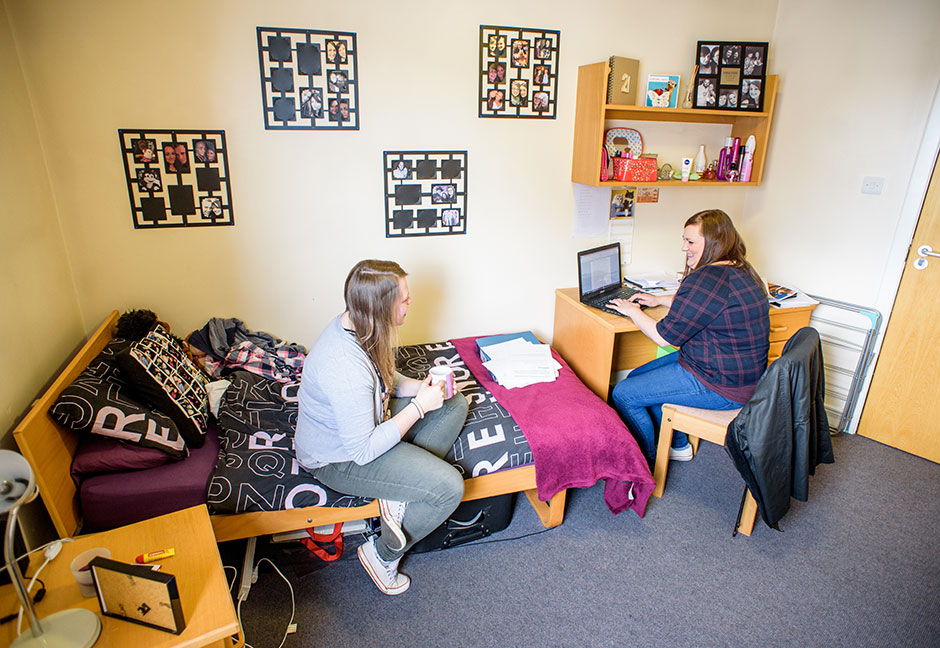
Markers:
872,185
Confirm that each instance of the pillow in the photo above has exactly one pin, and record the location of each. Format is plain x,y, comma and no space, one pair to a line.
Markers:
100,401
97,454
167,379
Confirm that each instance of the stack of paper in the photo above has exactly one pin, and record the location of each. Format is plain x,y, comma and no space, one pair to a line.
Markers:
515,361
658,279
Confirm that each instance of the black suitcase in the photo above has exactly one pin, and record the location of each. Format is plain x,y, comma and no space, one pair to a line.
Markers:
470,521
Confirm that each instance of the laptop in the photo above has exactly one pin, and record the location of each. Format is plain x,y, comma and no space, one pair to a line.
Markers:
600,278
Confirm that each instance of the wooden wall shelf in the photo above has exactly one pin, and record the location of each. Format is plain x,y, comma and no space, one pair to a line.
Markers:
591,115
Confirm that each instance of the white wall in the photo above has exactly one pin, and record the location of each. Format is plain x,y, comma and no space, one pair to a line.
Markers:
857,84
308,205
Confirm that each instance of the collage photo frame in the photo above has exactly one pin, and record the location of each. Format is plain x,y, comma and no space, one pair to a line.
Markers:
177,178
731,75
425,193
518,72
309,79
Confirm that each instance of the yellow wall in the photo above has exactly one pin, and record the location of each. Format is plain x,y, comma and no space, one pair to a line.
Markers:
40,324
308,205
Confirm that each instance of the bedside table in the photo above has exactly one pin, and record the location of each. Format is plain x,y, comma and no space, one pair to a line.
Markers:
203,590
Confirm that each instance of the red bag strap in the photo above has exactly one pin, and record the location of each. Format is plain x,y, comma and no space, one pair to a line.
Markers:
335,538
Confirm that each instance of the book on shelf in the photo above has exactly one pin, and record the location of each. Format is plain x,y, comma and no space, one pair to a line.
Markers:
622,81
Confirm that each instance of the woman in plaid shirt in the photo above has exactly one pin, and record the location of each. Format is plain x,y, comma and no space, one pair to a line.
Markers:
718,319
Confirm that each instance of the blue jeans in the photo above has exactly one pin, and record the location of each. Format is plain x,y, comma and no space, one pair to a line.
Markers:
412,471
639,398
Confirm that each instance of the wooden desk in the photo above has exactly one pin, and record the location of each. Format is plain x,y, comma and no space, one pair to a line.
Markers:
596,343
204,594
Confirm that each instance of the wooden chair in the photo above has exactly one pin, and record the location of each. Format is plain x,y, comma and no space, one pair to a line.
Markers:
710,425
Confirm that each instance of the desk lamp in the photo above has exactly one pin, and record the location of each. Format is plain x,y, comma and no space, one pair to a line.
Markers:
73,628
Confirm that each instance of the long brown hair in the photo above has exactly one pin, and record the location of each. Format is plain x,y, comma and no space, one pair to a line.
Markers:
722,242
371,298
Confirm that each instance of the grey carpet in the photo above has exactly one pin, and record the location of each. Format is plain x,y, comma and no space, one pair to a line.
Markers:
857,565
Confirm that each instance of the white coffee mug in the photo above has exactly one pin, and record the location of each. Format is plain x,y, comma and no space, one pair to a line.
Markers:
445,375
82,572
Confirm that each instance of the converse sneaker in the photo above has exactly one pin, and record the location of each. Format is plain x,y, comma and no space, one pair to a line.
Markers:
384,574
681,454
392,513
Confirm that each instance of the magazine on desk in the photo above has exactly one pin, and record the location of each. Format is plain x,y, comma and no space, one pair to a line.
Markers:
787,296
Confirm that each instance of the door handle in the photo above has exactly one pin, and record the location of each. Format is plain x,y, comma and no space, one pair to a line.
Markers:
923,252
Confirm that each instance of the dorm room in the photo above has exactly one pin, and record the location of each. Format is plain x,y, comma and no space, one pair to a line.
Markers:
296,207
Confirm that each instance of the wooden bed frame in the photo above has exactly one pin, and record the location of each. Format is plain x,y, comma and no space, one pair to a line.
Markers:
49,448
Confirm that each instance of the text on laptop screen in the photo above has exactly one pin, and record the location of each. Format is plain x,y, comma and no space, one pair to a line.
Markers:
600,270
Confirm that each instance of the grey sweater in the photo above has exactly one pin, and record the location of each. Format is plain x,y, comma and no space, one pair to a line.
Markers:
340,400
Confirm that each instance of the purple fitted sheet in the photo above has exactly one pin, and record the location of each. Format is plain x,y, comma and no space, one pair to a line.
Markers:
114,499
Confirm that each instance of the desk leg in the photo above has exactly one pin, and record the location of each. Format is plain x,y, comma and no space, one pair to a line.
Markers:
585,345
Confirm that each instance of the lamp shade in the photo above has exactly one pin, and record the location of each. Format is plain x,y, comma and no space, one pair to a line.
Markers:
16,479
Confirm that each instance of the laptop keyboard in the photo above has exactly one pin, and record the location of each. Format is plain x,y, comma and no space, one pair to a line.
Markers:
601,303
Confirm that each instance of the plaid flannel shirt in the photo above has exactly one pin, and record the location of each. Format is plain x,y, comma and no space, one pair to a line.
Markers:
720,321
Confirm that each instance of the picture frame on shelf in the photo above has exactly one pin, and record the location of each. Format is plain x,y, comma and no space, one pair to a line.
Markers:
731,75
662,90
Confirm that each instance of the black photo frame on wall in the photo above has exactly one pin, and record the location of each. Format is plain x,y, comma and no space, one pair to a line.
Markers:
177,178
518,72
425,193
309,79
731,75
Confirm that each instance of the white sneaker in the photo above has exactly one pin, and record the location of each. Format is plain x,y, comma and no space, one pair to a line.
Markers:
681,454
384,574
392,513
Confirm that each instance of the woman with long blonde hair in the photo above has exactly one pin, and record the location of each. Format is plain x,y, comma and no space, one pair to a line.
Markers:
364,429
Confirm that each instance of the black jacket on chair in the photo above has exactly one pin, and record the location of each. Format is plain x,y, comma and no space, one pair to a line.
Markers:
782,432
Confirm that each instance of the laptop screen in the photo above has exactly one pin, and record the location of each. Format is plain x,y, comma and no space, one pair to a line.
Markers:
599,268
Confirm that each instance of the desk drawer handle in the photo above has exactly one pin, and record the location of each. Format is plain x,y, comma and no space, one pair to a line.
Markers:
778,329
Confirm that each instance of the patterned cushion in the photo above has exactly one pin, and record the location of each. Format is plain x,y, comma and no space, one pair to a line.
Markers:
100,401
167,379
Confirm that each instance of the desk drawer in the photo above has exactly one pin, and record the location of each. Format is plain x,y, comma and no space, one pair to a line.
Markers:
783,324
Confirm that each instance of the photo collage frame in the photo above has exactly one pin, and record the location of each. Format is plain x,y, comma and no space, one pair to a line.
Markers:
425,193
730,75
309,79
177,178
518,72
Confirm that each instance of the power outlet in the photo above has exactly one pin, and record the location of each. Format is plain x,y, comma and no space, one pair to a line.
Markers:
872,185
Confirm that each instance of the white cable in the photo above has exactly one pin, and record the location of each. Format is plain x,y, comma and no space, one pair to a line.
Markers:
45,546
49,555
234,578
292,606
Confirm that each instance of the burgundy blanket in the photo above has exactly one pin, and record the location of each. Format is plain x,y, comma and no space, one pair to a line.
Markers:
576,438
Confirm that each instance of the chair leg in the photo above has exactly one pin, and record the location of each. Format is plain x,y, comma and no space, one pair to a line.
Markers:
747,516
694,441
662,451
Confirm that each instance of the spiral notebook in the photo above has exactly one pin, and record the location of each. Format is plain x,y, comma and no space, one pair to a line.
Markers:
622,81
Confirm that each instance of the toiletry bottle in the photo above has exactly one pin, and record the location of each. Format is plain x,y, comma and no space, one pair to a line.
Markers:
700,161
748,161
724,159
733,175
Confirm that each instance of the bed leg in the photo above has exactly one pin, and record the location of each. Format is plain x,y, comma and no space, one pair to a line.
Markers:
552,512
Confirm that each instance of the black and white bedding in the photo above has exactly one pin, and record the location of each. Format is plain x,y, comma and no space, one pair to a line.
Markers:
257,469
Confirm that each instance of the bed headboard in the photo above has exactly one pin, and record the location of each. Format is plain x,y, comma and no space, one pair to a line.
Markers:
49,447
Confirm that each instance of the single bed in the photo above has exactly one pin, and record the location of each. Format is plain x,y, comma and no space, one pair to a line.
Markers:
50,447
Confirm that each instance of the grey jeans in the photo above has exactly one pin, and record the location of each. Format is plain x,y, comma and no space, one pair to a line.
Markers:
412,471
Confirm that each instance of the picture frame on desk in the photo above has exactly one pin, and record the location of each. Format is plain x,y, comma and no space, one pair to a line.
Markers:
730,75
138,594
